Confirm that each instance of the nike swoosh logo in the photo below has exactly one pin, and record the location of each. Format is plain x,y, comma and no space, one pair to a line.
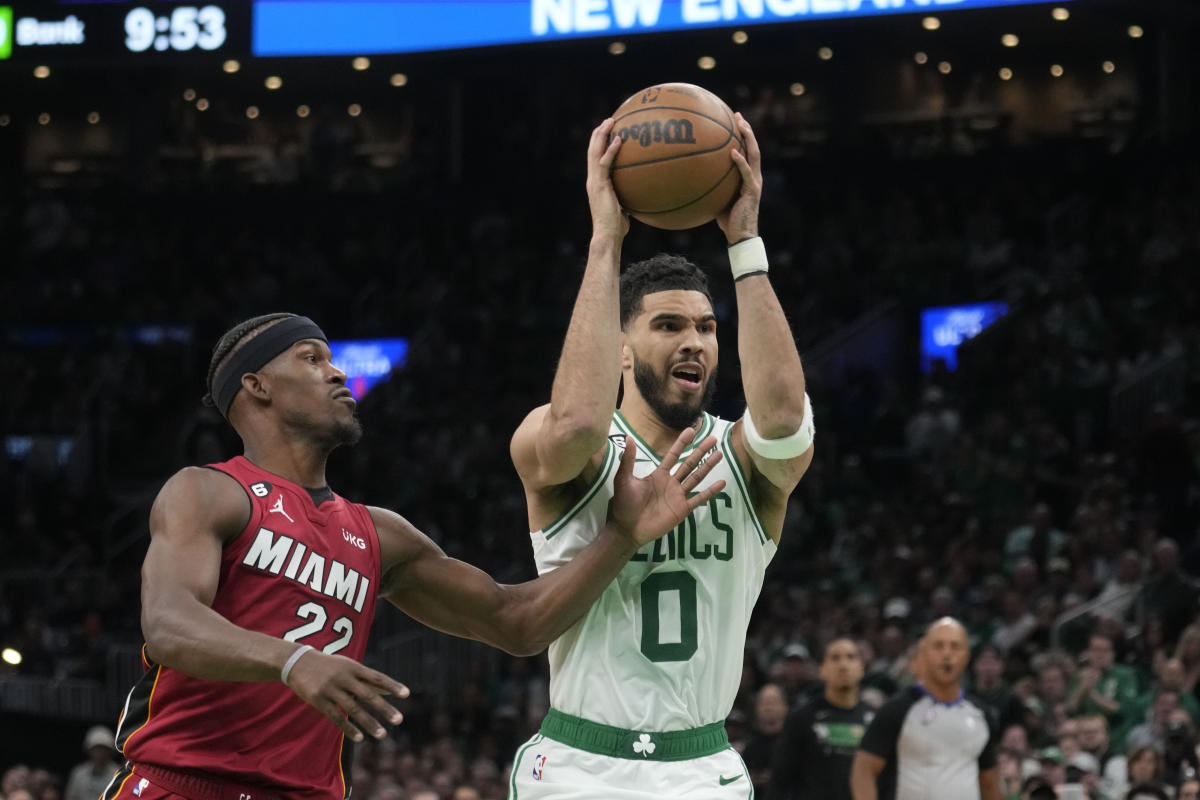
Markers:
726,781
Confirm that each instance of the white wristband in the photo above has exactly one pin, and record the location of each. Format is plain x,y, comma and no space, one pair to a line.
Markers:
748,257
291,662
787,447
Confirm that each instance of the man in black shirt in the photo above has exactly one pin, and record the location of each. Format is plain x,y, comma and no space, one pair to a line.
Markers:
815,751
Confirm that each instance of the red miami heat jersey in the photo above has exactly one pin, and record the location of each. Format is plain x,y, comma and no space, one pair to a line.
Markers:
299,571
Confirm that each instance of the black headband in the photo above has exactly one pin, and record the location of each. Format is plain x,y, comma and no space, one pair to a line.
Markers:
257,353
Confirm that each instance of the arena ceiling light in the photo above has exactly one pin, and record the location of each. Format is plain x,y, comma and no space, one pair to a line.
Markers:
944,67
921,57
399,79
1135,32
43,118
252,112
231,66
303,111
706,62
11,656
931,23
1006,74
1010,40
93,117
1056,70
202,104
361,63
740,37
5,120
616,48
1108,67
825,53
273,82
41,71
797,89
1061,14
189,95
354,110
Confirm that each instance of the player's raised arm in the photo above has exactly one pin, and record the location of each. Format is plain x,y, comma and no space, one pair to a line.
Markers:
195,513
523,619
555,442
777,428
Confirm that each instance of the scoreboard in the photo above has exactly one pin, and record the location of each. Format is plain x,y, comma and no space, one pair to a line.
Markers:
153,30
108,32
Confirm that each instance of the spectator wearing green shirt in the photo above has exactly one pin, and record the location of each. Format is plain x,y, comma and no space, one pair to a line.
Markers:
1100,686
1170,678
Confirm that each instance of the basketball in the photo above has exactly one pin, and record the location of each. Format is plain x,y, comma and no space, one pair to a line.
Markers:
674,170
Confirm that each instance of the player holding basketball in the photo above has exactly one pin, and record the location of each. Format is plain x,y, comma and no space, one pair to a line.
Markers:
257,593
640,687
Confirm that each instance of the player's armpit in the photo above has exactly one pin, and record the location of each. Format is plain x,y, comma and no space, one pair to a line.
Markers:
549,451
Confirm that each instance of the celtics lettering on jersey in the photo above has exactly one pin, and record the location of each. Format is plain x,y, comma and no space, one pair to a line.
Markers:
661,649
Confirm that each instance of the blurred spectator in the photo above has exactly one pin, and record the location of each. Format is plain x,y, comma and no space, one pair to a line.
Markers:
990,689
1114,767
1170,594
1101,686
1037,538
89,779
770,712
1145,774
1188,653
1189,789
1153,732
932,429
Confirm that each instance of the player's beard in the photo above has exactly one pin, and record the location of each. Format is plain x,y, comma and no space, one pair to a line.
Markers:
653,387
331,435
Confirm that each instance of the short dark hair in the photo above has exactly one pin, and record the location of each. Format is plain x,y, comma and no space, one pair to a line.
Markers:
661,273
231,340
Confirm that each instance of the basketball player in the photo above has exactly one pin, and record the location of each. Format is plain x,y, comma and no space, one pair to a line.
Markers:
648,676
259,587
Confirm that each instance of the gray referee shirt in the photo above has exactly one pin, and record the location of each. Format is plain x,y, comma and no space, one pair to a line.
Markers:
933,750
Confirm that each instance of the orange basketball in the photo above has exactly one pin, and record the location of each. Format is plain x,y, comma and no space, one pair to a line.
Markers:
674,170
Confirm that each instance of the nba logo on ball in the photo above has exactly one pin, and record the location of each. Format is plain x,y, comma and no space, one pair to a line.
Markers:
5,32
538,764
142,784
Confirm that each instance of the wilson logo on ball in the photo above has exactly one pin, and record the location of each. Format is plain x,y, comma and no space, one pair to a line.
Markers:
670,131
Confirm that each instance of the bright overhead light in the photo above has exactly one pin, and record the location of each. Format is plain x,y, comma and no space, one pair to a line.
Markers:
921,57
354,110
706,62
202,104
231,66
616,48
43,118
740,37
1109,67
41,72
5,120
399,79
11,656
931,23
361,63
796,89
273,82
189,94
1056,70
93,117
303,111
252,112
825,53
1010,40
1136,32
1006,74
1061,14
944,67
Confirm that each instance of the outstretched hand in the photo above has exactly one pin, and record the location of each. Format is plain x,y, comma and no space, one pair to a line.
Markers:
347,692
646,508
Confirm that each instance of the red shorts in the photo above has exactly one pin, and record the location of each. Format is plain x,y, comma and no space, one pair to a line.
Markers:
145,782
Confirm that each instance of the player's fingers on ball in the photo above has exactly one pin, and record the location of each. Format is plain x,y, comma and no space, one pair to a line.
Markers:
610,154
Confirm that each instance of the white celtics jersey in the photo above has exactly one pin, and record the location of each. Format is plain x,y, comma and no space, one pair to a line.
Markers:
661,649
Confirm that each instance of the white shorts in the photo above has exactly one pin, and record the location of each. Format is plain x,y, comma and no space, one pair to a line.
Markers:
545,769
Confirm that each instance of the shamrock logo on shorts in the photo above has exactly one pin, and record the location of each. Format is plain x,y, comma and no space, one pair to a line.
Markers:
643,745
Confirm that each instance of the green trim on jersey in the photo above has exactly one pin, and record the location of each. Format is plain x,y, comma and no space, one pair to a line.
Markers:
706,426
607,740
610,458
740,479
512,780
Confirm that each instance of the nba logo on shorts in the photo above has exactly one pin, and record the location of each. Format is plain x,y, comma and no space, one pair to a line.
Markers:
142,784
538,764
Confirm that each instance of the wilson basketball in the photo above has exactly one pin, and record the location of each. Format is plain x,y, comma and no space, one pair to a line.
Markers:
674,170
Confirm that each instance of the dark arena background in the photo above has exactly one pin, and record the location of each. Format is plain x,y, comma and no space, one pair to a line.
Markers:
984,226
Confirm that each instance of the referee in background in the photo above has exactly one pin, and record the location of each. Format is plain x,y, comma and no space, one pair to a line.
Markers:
814,752
930,742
